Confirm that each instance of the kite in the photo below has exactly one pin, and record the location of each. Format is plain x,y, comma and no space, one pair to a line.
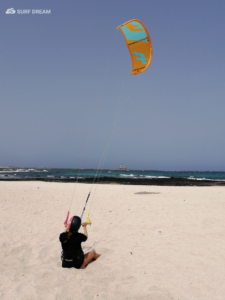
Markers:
139,44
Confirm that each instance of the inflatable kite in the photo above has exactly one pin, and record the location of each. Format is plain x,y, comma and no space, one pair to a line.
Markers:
139,44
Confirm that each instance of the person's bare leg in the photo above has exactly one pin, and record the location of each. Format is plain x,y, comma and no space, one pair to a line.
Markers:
88,257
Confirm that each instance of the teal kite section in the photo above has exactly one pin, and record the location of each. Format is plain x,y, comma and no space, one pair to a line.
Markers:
140,56
134,35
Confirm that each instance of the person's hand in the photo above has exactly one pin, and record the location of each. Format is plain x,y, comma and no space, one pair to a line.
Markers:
84,224
67,228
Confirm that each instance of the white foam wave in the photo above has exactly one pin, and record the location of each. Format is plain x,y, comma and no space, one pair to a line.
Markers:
151,177
36,170
23,171
20,171
203,178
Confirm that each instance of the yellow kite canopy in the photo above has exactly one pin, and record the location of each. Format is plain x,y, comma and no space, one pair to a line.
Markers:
139,44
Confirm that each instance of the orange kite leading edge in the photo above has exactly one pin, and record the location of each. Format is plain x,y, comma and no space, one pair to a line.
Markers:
139,44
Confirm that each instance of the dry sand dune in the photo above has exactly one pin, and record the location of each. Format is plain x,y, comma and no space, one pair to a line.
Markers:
157,243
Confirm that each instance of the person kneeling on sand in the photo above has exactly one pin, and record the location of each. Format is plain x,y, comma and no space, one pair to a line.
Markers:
71,239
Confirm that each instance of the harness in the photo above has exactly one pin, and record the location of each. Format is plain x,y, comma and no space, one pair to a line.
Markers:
71,258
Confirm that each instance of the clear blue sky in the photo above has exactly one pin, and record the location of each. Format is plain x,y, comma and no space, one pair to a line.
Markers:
52,68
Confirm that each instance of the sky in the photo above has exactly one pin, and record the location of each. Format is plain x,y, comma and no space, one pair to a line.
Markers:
65,77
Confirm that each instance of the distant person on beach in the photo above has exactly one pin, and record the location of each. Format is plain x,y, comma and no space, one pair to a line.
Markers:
72,254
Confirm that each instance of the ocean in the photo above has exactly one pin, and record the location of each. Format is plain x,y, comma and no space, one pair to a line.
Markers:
45,173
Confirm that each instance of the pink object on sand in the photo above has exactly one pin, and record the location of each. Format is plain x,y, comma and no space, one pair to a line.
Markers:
65,223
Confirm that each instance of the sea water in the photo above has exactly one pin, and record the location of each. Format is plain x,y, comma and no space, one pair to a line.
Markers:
25,173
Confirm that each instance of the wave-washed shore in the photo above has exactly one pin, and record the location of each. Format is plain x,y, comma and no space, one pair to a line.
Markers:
114,176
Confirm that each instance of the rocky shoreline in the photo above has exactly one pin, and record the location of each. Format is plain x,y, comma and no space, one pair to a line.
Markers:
173,181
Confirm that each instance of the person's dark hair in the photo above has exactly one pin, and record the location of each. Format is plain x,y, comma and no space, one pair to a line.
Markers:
75,224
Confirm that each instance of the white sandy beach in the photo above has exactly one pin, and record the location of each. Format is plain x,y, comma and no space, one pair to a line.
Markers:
166,245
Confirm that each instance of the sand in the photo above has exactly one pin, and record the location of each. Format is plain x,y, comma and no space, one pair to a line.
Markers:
157,243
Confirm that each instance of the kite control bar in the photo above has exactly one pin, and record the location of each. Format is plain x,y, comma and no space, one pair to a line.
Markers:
85,205
88,220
